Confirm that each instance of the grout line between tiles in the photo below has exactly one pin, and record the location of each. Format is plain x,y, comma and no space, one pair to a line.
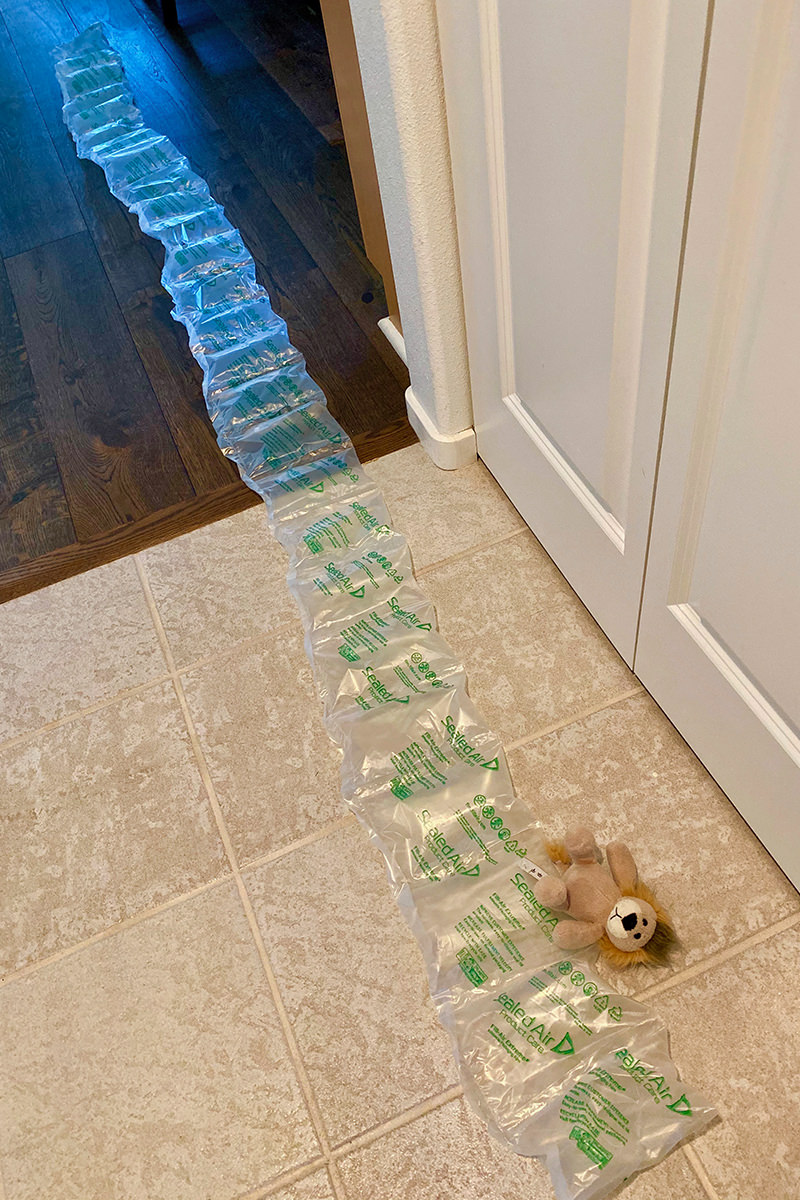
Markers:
20,738
292,623
283,1016
574,718
317,836
360,1140
337,1183
451,558
720,957
146,913
119,927
285,626
286,1179
700,1171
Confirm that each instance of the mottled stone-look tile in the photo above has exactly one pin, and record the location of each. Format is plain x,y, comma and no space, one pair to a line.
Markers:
353,982
441,512
314,1187
627,774
149,1064
258,717
533,653
449,1153
100,818
72,644
733,1032
219,585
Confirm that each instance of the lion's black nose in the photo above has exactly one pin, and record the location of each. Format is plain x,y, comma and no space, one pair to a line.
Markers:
629,922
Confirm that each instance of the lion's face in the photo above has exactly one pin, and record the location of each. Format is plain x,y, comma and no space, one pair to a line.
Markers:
631,923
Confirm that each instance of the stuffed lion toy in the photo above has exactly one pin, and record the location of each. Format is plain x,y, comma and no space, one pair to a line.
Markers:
610,907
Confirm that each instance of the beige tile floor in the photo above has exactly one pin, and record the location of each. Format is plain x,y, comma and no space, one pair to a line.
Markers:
206,991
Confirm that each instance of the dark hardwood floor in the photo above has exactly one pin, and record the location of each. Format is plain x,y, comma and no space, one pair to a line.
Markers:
105,446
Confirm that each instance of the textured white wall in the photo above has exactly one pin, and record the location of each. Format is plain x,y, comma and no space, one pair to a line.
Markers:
398,49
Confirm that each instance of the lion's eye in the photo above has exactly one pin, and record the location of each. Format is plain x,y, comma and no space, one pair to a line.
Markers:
637,935
643,921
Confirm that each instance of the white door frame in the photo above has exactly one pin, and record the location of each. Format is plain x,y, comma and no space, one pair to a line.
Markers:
398,52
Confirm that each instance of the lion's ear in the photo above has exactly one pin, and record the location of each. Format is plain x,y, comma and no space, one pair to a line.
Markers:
662,944
665,940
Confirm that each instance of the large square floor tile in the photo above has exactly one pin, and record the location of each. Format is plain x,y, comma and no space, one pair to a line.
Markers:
102,817
353,982
734,1032
219,585
441,512
626,773
258,717
448,1153
533,653
75,643
148,1065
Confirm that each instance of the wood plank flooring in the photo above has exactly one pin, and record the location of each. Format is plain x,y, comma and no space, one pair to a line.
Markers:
105,447
34,515
36,202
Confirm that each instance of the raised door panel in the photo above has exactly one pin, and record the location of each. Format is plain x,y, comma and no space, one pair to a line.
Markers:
571,130
719,646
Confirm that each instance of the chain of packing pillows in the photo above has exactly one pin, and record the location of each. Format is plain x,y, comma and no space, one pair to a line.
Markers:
558,1066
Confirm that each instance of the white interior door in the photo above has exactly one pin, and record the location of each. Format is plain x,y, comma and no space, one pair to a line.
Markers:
571,130
719,646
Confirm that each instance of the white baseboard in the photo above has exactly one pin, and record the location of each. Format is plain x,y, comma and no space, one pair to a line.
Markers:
394,337
448,451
